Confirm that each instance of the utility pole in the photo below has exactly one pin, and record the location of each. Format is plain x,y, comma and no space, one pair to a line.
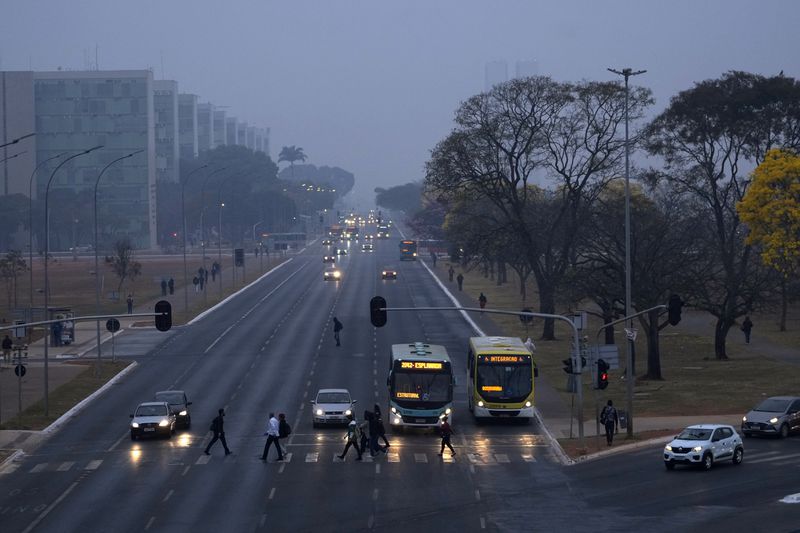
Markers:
629,375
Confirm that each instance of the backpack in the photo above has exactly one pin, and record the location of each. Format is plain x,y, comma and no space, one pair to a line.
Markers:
284,429
607,415
213,426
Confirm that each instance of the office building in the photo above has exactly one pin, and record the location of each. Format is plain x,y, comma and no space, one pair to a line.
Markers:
187,126
220,128
165,104
205,127
496,72
526,68
251,138
17,119
241,133
231,125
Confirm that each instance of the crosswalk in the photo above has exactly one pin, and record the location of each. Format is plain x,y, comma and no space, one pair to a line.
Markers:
768,457
391,457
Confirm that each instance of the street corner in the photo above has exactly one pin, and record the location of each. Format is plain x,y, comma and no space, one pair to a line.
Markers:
595,447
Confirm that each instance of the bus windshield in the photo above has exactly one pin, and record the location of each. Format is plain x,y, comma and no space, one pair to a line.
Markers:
504,381
421,387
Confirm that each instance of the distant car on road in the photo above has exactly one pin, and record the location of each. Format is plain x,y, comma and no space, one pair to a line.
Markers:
179,405
332,406
326,242
152,419
368,237
332,274
704,445
779,415
388,273
341,251
328,258
367,247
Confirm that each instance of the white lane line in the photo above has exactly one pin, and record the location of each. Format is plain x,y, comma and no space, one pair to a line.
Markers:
370,521
377,468
282,468
271,493
186,470
308,383
219,338
50,507
393,457
150,523
169,495
94,465
471,469
528,458
421,457
375,495
483,523
312,457
203,459
502,457
113,446
66,465
262,521
477,495
771,459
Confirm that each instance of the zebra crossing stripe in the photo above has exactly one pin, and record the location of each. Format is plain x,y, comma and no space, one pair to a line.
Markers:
203,459
393,457
775,458
502,458
66,465
528,458
38,468
287,457
420,457
93,465
312,457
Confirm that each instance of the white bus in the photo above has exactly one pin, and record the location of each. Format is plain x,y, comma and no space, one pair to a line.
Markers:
420,385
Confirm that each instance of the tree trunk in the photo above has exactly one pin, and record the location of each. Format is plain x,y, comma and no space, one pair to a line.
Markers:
523,289
547,305
653,351
721,329
608,316
784,304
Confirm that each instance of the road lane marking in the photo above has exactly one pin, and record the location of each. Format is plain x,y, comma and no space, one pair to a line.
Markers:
775,458
271,493
393,457
185,470
483,523
150,523
377,468
374,495
501,457
477,495
312,457
93,465
169,495
370,521
38,468
203,459
528,458
421,458
263,520
66,465
50,507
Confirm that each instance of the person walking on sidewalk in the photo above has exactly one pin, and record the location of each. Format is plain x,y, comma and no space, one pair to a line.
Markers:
171,285
460,280
433,258
273,435
163,287
482,301
218,427
7,345
747,327
129,301
450,272
337,327
352,438
446,432
610,420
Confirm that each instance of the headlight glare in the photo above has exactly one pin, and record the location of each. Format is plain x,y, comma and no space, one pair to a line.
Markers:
668,447
480,403
320,412
134,424
773,420
744,419
528,404
348,412
163,423
698,448
448,411
183,413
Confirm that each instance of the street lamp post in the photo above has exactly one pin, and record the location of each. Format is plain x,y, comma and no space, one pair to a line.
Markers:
18,139
46,278
30,224
97,258
203,227
219,243
259,243
183,230
629,375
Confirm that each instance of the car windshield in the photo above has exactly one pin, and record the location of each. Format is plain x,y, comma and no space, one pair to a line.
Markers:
174,398
151,410
773,405
333,397
695,434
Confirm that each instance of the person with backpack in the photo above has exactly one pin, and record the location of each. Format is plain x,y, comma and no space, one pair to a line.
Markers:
217,426
446,432
352,438
482,301
381,428
337,327
272,433
374,430
363,429
284,429
747,327
610,420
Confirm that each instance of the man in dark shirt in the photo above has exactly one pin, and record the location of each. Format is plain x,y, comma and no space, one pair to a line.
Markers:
219,433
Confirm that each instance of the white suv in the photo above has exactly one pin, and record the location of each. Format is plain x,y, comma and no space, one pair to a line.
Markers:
704,444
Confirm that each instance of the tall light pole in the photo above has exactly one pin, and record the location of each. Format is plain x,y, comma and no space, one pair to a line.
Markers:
18,139
629,374
96,257
203,227
259,243
183,230
46,278
30,222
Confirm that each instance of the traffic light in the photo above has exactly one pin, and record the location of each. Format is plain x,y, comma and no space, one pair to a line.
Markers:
163,315
674,309
602,374
377,311
567,365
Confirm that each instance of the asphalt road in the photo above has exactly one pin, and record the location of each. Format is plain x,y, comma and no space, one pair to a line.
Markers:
272,348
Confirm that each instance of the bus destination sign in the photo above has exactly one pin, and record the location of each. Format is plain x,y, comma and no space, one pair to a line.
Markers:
421,365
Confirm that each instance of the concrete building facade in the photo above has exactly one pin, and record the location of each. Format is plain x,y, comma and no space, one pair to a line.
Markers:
165,103
187,126
205,127
232,127
220,128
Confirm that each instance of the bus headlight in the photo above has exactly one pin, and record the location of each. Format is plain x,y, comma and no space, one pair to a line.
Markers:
448,411
396,420
528,403
480,403
394,410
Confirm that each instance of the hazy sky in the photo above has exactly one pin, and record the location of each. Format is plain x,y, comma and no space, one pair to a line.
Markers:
371,85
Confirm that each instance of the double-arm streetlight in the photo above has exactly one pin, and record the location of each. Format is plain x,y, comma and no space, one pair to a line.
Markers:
183,230
18,139
629,374
46,260
13,156
96,255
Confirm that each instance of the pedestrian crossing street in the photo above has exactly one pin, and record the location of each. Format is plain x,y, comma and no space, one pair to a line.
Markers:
406,457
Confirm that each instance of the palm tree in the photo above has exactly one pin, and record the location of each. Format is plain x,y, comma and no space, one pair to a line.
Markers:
291,154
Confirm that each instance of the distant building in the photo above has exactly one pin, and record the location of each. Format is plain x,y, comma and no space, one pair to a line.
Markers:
232,131
496,72
17,118
187,126
251,138
205,127
220,128
526,68
241,133
165,102
265,141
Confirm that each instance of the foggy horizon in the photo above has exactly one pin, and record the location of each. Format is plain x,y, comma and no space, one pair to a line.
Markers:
372,87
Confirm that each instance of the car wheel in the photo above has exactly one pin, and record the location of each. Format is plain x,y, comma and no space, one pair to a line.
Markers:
784,431
708,461
738,456
669,466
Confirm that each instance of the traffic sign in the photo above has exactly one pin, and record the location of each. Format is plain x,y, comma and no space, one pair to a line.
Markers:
20,370
112,325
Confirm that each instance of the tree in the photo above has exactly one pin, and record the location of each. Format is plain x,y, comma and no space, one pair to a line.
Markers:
122,263
406,198
705,136
11,266
291,154
771,210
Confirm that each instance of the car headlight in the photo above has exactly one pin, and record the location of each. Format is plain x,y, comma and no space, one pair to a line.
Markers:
480,403
698,448
384,272
348,412
320,412
163,423
528,404
744,419
668,447
337,274
448,411
134,424
773,420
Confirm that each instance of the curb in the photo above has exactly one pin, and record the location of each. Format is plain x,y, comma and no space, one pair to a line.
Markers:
619,449
10,459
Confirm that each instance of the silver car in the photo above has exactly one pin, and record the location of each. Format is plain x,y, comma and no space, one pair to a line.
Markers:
779,415
152,418
332,406
704,445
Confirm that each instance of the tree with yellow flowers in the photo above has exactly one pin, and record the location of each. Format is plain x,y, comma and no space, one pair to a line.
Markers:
771,210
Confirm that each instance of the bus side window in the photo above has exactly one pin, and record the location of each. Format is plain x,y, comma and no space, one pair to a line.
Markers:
535,371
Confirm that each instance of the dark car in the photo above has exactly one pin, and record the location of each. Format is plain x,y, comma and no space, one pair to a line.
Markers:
779,415
179,405
329,259
388,273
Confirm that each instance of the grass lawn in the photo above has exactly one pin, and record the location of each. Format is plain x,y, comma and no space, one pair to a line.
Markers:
66,396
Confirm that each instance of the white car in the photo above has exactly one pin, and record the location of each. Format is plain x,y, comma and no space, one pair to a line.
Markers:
704,444
152,418
332,274
332,406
